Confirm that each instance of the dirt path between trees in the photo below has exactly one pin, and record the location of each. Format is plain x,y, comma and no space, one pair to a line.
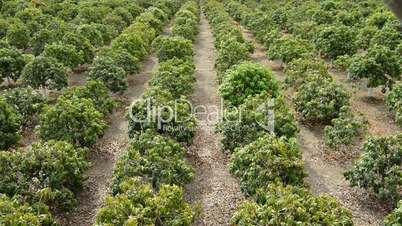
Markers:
326,175
214,188
106,151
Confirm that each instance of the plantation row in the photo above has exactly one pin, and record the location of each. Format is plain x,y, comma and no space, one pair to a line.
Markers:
320,100
43,179
149,177
269,165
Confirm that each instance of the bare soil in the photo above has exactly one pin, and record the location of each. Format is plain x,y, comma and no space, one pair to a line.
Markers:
325,171
214,189
107,150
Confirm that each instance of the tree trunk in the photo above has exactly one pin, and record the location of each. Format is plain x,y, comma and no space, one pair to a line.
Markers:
396,7
370,91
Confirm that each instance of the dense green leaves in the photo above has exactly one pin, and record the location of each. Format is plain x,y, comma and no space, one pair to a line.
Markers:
45,72
26,101
15,212
169,47
65,54
10,123
344,129
379,167
159,111
267,160
176,76
156,159
279,205
11,63
74,120
110,73
336,40
255,117
138,204
246,80
379,65
48,172
320,100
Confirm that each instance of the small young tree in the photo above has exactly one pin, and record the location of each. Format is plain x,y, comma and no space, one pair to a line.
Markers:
379,168
44,72
123,59
82,44
65,54
267,160
26,101
245,80
18,35
132,43
106,70
294,205
74,120
336,40
320,100
91,32
11,64
169,47
156,159
10,124
379,65
289,48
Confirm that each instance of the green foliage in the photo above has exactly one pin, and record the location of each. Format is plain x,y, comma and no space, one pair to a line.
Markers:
243,125
379,65
299,69
387,36
344,129
44,72
132,43
288,48
320,100
155,159
245,80
26,101
95,91
138,204
47,172
11,63
74,120
186,21
107,70
82,44
91,32
15,212
279,205
379,167
158,110
122,58
65,54
176,76
230,53
336,40
342,63
394,218
267,160
18,35
10,123
393,101
169,47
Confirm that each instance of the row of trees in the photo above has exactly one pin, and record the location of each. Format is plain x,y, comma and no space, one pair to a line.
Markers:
319,98
267,162
44,178
150,175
